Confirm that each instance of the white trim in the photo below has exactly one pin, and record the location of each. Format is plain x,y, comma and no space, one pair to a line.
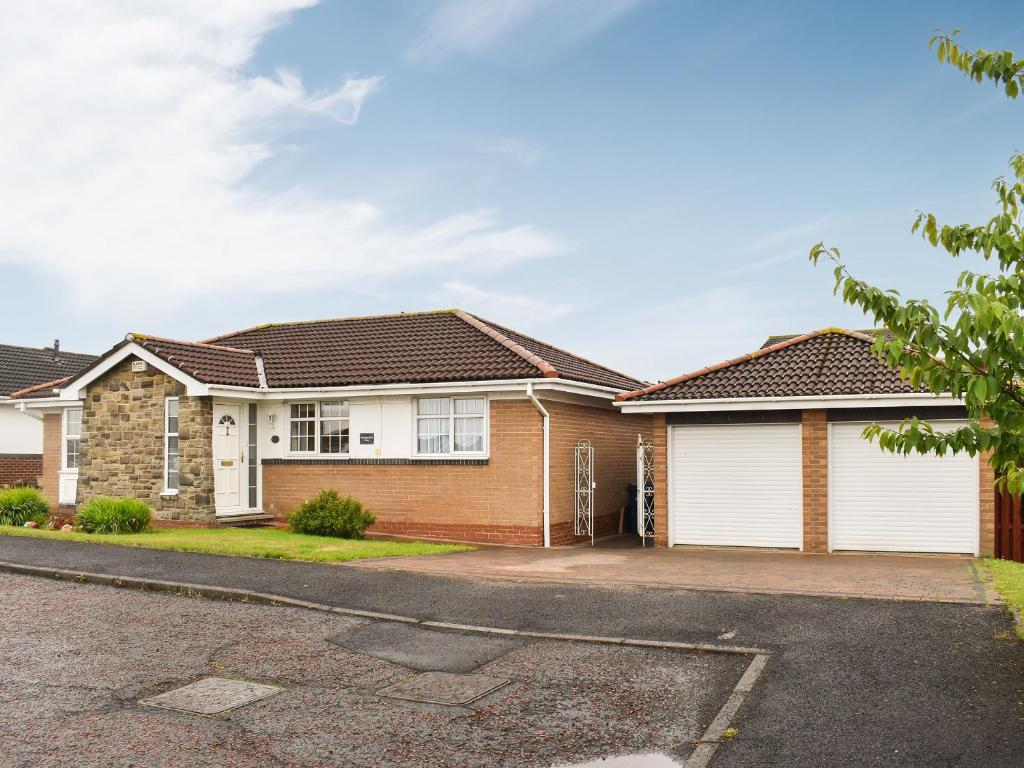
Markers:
452,454
64,441
442,387
669,451
782,403
546,420
75,388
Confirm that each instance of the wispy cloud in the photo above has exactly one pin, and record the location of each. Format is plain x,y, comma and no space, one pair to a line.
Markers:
788,235
472,27
516,150
779,246
514,308
130,135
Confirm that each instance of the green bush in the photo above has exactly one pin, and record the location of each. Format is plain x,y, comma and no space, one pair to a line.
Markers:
20,504
103,515
329,514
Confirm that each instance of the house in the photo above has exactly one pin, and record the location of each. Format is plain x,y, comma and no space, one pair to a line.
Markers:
444,424
21,433
766,451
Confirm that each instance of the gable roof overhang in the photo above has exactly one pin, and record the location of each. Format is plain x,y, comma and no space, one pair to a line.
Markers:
894,400
75,388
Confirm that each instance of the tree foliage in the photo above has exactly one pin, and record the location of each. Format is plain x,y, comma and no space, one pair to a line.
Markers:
974,348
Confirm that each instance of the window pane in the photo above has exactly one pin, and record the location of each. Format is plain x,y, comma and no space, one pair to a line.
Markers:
334,436
469,406
74,423
73,445
172,417
432,435
469,434
303,436
334,410
432,406
172,481
303,410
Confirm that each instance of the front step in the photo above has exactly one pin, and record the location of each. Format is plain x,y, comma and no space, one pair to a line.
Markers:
246,520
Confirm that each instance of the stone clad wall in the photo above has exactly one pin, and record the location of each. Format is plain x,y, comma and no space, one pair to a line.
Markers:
123,444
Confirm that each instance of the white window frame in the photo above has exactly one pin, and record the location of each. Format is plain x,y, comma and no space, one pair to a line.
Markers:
317,418
168,491
452,453
64,441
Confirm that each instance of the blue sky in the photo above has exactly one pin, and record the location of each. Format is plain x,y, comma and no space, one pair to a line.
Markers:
638,181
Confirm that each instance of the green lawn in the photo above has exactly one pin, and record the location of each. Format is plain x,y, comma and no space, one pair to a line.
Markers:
251,542
1009,580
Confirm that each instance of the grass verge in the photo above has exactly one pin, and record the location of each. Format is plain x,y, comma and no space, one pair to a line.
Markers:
271,543
1009,580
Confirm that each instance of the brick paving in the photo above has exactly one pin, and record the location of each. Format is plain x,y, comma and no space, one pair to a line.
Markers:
933,578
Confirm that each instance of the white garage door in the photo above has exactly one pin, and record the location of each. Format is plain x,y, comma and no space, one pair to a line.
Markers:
737,485
886,503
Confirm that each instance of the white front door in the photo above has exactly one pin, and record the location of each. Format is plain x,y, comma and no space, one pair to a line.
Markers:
736,485
227,458
884,502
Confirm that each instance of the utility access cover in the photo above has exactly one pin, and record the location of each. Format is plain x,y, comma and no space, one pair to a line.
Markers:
443,688
211,696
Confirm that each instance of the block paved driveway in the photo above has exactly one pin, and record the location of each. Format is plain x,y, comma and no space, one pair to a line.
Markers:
953,579
849,682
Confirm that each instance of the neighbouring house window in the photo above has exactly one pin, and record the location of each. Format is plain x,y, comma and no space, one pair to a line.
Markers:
319,427
253,415
72,437
334,427
303,428
172,457
450,425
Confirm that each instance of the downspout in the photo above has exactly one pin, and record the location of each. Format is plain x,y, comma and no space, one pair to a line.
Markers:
547,462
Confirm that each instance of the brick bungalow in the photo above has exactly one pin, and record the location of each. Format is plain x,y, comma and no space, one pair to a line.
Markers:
21,432
445,425
766,451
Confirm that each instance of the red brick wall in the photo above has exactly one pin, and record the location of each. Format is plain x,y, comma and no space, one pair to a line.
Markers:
814,441
20,468
52,429
499,502
660,433
613,436
987,501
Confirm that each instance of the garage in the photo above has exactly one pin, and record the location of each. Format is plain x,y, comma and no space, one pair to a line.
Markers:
881,502
736,485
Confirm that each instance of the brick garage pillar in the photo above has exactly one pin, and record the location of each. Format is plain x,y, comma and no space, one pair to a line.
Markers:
814,445
660,434
986,501
52,437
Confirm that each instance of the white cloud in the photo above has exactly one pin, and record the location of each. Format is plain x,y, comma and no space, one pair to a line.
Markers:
472,27
515,309
129,132
788,235
516,150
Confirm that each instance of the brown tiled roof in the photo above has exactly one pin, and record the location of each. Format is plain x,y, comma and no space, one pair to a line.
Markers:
828,362
208,363
771,341
23,367
419,347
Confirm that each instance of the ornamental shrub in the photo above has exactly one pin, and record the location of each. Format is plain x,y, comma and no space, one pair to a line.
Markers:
103,515
21,504
330,514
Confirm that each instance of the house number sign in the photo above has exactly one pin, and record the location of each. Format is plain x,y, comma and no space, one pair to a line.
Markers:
366,438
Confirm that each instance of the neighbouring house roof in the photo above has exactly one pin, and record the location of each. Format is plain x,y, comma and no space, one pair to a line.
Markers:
416,347
832,361
25,367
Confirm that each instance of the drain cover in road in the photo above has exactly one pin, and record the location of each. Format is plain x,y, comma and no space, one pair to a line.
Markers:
443,688
211,696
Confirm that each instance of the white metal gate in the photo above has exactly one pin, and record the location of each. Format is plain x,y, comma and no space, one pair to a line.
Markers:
644,488
584,517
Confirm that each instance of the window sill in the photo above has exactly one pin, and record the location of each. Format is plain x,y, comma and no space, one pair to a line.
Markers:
169,493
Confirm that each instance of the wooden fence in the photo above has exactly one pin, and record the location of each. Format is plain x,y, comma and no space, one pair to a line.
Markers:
1009,527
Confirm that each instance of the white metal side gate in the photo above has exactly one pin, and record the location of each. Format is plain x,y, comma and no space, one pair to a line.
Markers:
584,518
644,488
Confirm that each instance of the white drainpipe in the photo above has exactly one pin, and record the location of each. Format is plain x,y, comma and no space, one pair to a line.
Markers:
547,463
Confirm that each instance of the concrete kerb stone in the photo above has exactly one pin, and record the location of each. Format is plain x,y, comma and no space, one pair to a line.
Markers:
699,758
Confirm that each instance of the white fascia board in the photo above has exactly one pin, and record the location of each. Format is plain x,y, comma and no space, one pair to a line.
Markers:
783,403
376,390
76,390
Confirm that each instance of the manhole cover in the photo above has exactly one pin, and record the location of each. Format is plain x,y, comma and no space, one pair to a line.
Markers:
211,696
443,688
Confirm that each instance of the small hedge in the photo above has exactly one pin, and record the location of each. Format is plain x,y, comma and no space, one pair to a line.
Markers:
329,514
103,515
21,504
